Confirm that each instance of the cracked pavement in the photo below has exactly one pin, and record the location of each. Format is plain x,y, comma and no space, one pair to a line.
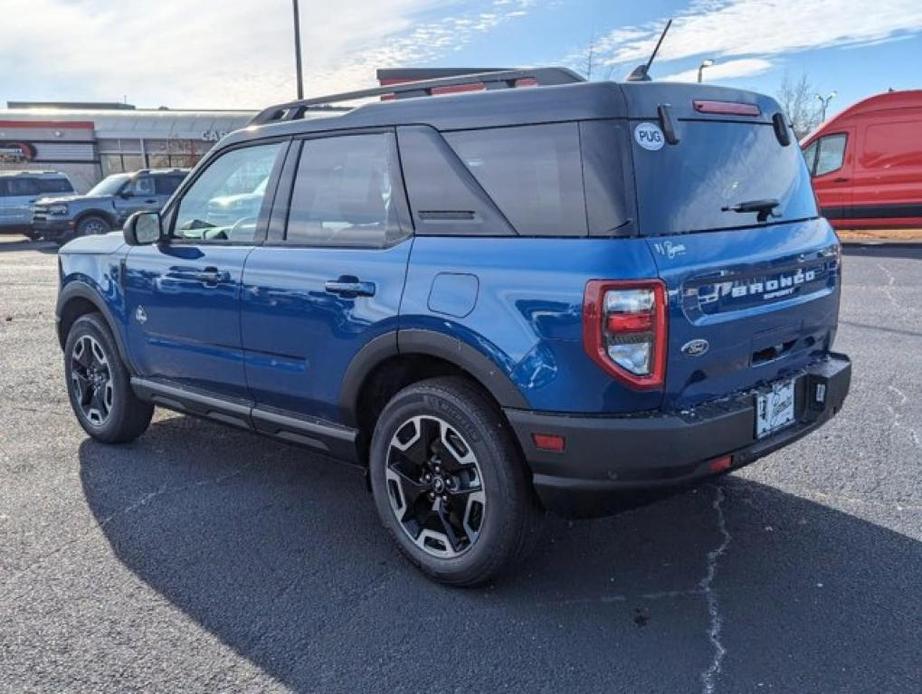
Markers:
199,558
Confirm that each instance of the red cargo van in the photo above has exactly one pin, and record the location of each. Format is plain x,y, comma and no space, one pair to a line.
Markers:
866,163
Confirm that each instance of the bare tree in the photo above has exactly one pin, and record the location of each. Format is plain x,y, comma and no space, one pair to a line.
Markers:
798,99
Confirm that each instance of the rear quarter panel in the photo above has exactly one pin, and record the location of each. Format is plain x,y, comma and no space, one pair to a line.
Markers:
526,310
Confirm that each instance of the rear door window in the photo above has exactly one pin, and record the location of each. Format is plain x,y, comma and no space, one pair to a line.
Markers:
533,173
21,186
54,185
165,185
347,192
717,166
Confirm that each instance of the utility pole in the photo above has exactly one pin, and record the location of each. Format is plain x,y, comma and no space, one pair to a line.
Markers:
824,100
298,50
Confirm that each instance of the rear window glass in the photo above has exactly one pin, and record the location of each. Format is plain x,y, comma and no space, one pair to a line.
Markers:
717,166
533,173
54,185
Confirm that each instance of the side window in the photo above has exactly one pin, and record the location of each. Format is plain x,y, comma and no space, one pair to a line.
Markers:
54,185
225,202
22,186
830,153
810,156
532,172
165,185
346,192
142,185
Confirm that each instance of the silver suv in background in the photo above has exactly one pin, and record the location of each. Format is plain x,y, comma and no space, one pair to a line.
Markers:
20,189
106,206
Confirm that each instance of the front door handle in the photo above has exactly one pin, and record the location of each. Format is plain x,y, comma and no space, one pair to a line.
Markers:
212,276
350,287
840,179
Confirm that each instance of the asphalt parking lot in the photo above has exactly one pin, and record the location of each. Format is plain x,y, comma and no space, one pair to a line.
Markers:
203,559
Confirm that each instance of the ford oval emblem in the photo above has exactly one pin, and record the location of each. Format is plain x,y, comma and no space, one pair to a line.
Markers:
695,348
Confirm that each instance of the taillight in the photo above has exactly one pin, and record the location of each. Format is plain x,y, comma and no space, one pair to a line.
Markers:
624,330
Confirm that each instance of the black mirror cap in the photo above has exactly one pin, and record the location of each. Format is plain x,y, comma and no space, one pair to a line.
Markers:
143,229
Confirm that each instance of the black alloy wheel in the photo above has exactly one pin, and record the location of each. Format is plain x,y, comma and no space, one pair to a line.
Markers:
435,486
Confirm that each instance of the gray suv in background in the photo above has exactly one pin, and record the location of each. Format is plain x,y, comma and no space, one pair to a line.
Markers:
106,206
20,189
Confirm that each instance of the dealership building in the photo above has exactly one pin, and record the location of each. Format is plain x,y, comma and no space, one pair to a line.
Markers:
88,141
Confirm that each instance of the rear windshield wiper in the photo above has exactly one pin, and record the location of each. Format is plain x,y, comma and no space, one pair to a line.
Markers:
765,208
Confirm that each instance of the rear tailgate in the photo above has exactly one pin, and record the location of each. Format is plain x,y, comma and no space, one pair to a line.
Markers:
746,306
725,203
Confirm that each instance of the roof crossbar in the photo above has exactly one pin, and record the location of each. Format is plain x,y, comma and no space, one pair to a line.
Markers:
505,79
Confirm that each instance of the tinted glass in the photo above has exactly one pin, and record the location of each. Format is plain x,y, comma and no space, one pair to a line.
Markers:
221,205
165,185
609,178
54,185
533,173
21,186
690,186
344,192
831,154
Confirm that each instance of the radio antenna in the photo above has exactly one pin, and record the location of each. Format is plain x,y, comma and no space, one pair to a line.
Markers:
641,73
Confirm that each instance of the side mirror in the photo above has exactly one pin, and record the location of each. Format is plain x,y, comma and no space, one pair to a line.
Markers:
143,229
125,194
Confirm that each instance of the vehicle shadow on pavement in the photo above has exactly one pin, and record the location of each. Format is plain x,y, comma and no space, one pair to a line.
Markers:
279,554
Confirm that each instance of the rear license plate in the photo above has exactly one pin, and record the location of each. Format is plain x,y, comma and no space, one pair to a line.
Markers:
775,409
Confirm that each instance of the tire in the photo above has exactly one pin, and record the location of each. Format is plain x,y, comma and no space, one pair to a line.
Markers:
99,386
450,485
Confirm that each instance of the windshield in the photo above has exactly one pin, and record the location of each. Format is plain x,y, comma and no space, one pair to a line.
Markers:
721,174
110,185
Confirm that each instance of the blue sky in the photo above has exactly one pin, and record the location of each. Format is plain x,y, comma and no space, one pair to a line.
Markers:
237,54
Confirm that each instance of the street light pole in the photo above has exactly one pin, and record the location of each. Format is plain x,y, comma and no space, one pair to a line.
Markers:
824,100
704,63
298,50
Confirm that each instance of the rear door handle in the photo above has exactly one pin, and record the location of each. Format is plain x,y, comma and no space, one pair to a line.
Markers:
350,287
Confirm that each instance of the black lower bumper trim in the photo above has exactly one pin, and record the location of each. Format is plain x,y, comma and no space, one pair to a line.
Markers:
608,460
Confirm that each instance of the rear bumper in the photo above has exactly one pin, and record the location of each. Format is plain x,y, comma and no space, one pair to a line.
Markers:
607,460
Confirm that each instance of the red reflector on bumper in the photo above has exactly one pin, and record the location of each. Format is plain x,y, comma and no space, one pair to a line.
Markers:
549,442
720,464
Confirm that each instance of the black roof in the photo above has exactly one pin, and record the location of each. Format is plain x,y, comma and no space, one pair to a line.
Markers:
518,106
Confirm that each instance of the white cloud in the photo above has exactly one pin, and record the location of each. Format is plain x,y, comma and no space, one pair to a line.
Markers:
743,67
730,28
224,53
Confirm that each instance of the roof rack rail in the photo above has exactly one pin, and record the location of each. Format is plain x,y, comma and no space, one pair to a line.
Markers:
503,79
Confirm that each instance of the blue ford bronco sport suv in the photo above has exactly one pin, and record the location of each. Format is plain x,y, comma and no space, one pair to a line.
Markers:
498,303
